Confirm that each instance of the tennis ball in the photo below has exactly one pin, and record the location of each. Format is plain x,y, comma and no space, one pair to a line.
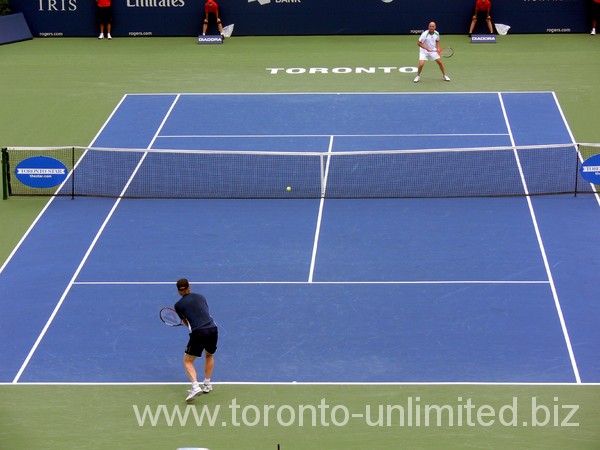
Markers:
289,188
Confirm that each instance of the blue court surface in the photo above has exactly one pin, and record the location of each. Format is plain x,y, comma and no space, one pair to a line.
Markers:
314,290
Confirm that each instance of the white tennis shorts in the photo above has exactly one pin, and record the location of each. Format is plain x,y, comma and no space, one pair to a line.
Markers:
428,56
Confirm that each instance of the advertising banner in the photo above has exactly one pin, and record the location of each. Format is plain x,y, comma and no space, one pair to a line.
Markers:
300,17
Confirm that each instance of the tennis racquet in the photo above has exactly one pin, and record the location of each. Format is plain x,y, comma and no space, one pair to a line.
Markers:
170,317
446,52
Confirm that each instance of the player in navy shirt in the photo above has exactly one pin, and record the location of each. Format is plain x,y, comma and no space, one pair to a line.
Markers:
194,312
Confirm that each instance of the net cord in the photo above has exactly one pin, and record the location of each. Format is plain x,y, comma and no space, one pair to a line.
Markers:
275,153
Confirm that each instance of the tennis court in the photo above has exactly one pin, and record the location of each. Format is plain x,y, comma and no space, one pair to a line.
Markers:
451,286
311,290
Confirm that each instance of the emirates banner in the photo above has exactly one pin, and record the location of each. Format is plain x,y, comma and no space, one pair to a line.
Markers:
300,17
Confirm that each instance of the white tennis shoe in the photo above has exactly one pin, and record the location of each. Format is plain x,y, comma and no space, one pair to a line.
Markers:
206,388
193,393
417,79
446,78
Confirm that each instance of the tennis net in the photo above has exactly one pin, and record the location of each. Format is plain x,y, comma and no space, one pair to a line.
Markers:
159,173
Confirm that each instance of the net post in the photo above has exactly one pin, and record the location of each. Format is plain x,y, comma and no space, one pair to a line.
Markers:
72,173
4,172
577,153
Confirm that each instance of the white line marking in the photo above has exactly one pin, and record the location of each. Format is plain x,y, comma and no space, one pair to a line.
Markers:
543,253
305,383
259,136
170,283
565,123
85,257
320,215
39,216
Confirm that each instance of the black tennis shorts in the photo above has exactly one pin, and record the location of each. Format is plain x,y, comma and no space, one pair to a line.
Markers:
595,10
204,339
104,15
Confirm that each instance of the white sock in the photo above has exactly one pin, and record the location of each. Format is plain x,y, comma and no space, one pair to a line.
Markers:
195,385
207,381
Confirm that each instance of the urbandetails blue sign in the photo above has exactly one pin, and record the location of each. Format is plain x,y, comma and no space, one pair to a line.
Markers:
590,169
41,172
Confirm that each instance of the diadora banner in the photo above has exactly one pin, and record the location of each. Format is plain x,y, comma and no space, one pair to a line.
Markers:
301,17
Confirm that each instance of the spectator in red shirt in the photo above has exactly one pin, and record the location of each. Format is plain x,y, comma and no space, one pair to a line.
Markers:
482,8
595,14
104,17
211,7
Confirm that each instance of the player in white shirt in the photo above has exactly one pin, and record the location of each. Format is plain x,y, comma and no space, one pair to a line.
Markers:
429,43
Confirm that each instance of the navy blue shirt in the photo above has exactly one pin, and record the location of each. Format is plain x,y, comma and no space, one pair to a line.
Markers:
194,308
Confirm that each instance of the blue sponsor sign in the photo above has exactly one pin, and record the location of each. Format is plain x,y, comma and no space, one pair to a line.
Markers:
483,39
590,169
41,172
13,28
217,39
